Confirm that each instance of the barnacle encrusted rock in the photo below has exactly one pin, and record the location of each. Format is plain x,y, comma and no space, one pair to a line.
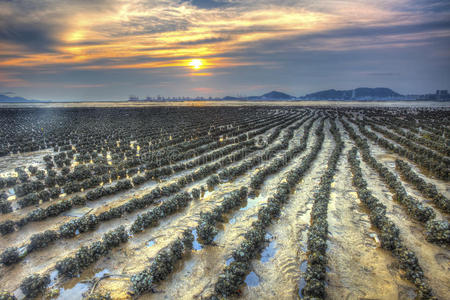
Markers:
34,285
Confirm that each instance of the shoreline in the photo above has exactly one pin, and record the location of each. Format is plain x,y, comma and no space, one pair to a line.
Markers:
229,103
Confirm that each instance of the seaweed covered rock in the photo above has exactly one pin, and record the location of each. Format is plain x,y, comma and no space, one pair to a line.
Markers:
10,256
42,240
212,181
28,200
206,232
168,207
232,278
34,285
5,205
254,239
206,228
438,232
80,225
85,256
163,264
137,180
115,237
195,193
32,170
78,200
68,267
7,227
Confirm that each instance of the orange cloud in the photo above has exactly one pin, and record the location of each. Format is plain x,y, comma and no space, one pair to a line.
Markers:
200,74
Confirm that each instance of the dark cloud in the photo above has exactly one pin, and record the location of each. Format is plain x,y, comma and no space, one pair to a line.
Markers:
419,27
35,36
207,4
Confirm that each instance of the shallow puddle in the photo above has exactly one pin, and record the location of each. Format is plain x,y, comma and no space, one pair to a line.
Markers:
270,250
196,245
252,279
76,292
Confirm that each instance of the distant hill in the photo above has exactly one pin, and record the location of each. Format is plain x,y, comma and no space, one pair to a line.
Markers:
230,98
275,95
16,99
363,93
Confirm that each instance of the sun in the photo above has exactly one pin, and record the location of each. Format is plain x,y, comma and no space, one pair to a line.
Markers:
196,63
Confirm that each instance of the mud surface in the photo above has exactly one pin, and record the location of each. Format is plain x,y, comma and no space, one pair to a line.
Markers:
357,266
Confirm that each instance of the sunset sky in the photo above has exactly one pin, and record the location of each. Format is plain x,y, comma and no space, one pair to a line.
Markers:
109,49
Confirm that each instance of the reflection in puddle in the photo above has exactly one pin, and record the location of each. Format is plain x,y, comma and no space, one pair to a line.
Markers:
53,277
74,293
302,282
101,273
303,266
229,261
251,202
150,243
196,245
252,279
270,250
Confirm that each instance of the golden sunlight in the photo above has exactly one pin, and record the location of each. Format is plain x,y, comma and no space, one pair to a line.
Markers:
196,63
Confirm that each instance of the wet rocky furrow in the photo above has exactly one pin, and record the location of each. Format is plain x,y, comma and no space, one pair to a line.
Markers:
426,189
231,232
316,269
396,235
434,260
358,267
122,221
385,155
233,275
437,229
28,212
282,258
116,200
193,215
200,149
388,161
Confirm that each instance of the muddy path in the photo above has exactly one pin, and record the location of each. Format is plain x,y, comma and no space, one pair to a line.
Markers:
434,260
279,267
358,267
388,159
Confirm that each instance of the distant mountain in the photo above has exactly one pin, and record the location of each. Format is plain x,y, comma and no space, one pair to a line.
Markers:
230,98
275,95
16,99
363,93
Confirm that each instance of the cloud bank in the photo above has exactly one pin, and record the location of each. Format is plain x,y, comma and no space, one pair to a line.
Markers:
98,49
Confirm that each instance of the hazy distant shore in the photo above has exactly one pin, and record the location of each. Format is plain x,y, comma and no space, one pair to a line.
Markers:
231,103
